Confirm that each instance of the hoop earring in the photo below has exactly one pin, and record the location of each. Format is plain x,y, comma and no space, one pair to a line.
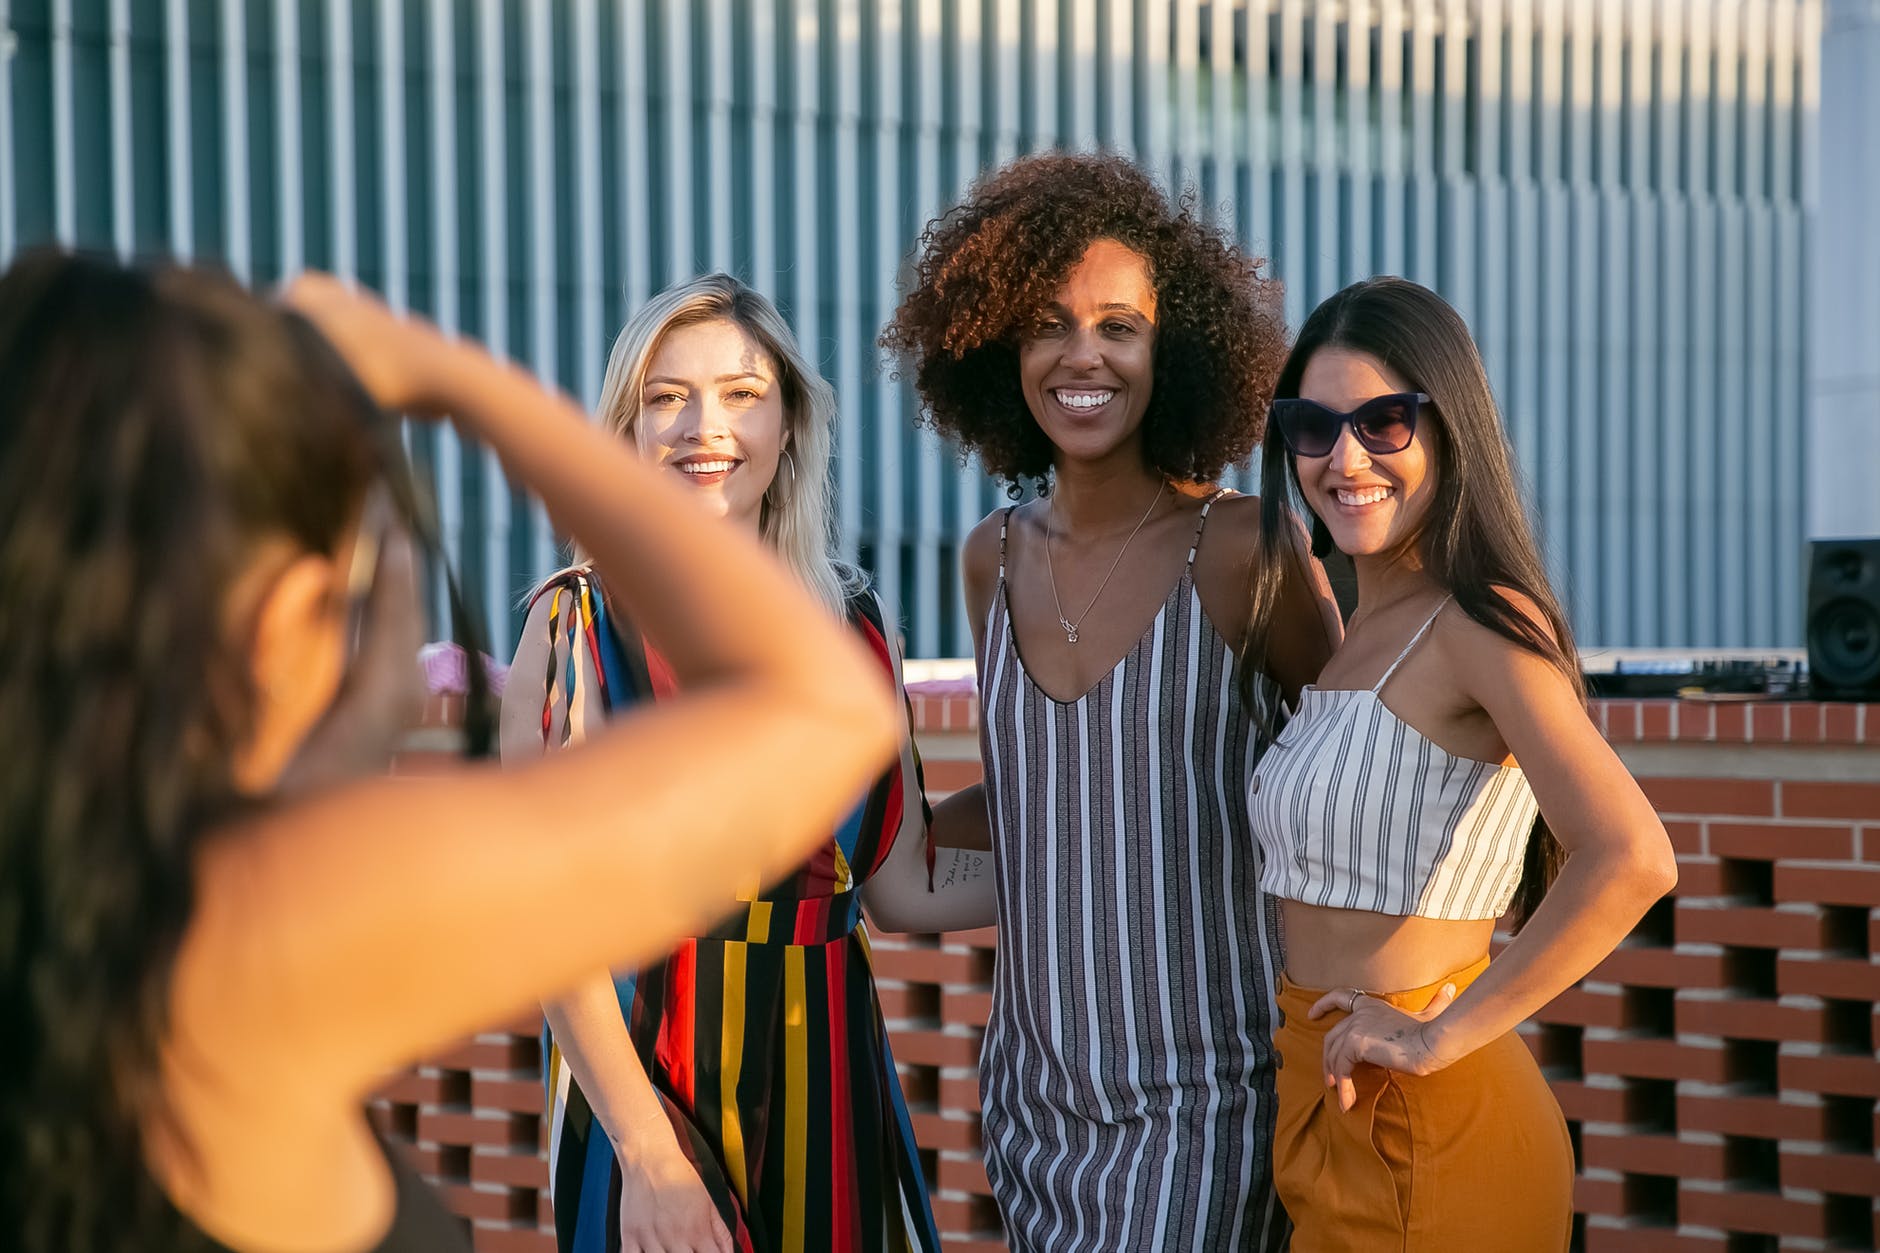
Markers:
791,462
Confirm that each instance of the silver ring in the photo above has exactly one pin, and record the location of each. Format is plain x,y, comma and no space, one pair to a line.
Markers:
1352,1007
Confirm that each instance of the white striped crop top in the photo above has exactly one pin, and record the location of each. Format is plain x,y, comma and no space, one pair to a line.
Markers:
1353,808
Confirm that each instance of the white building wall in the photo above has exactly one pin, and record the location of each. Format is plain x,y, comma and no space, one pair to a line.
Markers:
1618,194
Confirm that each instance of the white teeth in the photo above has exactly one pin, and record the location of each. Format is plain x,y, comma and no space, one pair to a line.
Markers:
1083,400
1366,496
706,467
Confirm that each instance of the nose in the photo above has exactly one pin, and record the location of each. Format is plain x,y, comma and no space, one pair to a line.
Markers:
1084,351
706,420
1348,455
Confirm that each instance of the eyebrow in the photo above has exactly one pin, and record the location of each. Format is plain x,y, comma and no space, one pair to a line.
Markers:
722,378
1113,306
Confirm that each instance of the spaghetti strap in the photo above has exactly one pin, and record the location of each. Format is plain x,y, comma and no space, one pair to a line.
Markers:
1195,544
1005,520
1414,641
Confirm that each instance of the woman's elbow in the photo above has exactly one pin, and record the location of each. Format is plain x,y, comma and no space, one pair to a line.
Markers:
1653,866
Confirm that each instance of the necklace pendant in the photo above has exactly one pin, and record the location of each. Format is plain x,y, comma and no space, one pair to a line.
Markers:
1070,631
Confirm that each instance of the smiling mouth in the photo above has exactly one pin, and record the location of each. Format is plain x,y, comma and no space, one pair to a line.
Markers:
1083,399
1359,498
707,471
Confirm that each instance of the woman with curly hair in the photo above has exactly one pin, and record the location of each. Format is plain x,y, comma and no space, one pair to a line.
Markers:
1076,330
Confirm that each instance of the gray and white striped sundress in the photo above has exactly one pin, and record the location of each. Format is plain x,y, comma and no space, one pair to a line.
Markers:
1126,1078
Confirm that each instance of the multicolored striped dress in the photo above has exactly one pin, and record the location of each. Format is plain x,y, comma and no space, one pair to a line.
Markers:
764,1038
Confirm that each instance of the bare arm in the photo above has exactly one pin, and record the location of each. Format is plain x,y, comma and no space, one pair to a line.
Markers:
340,937
1619,861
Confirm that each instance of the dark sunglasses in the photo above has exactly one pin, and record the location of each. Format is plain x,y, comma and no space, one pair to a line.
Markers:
1382,424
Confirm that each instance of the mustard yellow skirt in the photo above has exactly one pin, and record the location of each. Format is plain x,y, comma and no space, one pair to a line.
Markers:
1474,1157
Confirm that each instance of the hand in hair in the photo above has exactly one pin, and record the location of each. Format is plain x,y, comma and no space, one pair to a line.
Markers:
400,358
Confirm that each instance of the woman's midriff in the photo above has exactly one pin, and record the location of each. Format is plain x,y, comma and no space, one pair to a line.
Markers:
1331,948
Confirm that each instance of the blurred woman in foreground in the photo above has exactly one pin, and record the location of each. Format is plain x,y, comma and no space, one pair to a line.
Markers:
202,975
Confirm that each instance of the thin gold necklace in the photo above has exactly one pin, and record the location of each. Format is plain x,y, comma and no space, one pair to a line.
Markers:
1070,628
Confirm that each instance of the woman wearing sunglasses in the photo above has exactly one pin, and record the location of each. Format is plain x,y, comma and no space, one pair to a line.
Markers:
1440,772
204,968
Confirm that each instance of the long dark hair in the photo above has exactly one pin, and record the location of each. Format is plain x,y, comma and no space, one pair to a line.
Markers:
1475,541
154,425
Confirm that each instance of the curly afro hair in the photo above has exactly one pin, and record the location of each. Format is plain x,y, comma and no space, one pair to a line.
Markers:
988,268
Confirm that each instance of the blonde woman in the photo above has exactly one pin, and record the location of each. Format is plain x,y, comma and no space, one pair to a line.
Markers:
742,1088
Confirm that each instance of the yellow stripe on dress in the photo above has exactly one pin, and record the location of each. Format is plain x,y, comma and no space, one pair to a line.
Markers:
796,1096
757,925
731,1060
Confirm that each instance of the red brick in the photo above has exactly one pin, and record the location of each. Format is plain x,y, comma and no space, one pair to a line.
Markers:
489,1053
1841,1074
475,1203
514,1096
1859,801
1699,876
1654,720
1686,837
1767,841
1841,724
960,1093
946,777
1638,1154
933,965
1696,720
1656,1059
514,1240
1848,1174
1759,1117
1599,1195
1662,968
967,1007
1755,798
1584,1102
985,939
1836,978
987,1245
413,1088
936,1131
1824,884
1742,1018
1765,1213
513,1168
441,1128
1732,721
932,1048
963,1174
1750,926
1805,722
1608,1236
1769,724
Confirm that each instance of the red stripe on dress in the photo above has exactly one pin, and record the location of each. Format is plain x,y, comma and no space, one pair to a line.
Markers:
812,916
844,1220
659,673
674,1051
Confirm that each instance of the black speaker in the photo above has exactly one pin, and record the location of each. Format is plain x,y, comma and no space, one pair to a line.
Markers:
1844,619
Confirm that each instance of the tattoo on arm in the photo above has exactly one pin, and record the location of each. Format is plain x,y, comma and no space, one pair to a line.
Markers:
965,867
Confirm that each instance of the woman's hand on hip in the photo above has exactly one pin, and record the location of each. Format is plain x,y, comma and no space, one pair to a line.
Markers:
664,1207
1377,1033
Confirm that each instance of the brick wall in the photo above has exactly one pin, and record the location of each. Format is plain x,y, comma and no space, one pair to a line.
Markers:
1718,1072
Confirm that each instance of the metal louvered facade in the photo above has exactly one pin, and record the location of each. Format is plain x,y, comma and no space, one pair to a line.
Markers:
1616,193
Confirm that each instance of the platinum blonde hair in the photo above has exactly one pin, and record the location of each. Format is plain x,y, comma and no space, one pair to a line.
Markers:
798,515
